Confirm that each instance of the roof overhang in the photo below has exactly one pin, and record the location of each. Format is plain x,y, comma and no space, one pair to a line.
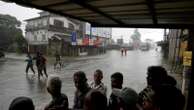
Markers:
121,13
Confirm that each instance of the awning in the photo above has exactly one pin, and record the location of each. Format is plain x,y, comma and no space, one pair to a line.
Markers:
121,13
66,37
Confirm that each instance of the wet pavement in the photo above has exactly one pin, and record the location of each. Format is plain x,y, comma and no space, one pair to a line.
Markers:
14,82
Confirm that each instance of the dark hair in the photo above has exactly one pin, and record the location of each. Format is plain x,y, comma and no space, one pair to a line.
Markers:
170,81
169,98
156,75
81,75
129,97
117,76
159,70
99,71
21,103
54,84
95,100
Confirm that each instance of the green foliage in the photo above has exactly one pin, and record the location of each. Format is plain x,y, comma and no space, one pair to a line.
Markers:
136,35
9,22
9,32
21,43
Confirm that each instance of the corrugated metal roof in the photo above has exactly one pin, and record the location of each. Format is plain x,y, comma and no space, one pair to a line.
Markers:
121,13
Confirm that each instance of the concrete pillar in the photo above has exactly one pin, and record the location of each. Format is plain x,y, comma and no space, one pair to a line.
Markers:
190,100
186,79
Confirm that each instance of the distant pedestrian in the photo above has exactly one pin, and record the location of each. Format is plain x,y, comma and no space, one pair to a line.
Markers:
29,63
59,100
125,51
43,65
38,64
97,84
82,89
122,50
57,60
22,103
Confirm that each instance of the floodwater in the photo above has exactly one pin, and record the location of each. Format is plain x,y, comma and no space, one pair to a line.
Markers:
14,82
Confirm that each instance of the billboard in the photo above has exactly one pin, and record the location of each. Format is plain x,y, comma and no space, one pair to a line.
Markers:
85,40
73,38
79,41
94,31
187,58
87,28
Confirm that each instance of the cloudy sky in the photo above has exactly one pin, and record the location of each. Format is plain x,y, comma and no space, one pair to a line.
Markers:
154,34
23,13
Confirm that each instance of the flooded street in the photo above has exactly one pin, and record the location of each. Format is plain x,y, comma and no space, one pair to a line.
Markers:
14,82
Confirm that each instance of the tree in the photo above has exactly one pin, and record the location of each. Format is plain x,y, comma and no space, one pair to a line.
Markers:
136,37
21,43
9,31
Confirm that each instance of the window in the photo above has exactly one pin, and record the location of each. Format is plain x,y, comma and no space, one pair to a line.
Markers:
44,22
35,38
71,26
58,23
43,37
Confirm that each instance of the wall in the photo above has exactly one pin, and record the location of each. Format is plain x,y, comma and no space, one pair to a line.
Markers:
37,22
174,45
65,21
41,36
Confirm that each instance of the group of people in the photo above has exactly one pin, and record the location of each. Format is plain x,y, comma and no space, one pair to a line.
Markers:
40,64
160,94
123,51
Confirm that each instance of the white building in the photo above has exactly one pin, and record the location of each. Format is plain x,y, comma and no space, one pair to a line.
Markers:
40,29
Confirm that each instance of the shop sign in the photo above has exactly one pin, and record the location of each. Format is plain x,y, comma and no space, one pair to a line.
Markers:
187,58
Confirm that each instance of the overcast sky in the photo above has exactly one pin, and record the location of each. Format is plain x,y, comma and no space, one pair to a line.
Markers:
23,13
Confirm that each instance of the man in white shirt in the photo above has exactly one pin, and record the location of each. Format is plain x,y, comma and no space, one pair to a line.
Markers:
97,84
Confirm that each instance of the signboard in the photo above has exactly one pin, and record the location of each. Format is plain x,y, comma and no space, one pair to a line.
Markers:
187,58
91,41
79,41
99,32
88,28
94,31
85,41
97,41
73,38
183,47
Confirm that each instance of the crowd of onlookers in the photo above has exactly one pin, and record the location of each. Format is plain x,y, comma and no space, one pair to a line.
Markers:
160,94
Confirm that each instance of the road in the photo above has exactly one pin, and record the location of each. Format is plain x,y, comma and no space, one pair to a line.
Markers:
14,82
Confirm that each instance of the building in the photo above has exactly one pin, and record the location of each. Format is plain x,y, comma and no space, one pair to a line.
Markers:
42,30
120,41
49,33
95,40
